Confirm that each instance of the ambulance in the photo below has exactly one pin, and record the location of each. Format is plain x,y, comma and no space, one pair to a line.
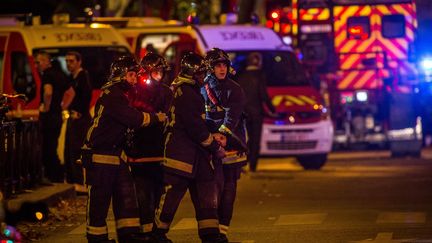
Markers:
363,50
305,132
98,44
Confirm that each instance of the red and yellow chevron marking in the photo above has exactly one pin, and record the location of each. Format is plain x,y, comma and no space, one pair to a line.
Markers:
359,79
314,14
352,51
293,100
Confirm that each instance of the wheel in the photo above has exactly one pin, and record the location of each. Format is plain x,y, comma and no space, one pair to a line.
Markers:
312,162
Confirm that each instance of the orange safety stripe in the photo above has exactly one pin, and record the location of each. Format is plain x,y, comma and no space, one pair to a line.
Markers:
127,223
208,223
93,230
232,157
158,222
109,159
177,164
144,159
147,227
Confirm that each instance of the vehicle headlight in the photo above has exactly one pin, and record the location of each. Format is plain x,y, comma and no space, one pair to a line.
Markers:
426,64
361,96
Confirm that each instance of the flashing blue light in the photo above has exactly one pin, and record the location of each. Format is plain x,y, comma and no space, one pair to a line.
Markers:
279,122
361,96
426,63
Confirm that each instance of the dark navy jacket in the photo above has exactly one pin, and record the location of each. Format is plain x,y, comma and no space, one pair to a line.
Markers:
224,103
113,116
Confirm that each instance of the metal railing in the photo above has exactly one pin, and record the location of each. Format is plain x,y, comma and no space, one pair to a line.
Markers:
20,153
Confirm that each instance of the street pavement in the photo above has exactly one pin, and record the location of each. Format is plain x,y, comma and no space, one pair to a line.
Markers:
356,197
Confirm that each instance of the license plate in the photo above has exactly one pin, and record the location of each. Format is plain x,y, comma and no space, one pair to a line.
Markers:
293,137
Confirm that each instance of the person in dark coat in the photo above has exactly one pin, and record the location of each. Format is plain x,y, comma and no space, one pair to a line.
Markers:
253,82
107,174
146,150
191,156
54,84
76,102
224,102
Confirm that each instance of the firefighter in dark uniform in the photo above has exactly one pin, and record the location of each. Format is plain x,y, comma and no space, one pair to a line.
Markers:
189,150
145,153
107,174
224,102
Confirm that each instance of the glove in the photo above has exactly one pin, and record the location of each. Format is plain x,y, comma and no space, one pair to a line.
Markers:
220,153
161,117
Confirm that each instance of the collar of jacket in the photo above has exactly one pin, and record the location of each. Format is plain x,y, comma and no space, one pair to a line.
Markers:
117,80
179,80
213,81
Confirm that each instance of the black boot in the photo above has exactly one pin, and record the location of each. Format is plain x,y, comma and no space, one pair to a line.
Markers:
211,238
223,238
138,238
102,241
160,237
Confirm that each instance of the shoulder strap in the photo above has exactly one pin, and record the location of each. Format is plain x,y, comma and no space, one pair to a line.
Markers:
211,95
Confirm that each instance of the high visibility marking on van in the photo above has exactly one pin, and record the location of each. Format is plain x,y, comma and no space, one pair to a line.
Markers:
289,100
241,35
77,36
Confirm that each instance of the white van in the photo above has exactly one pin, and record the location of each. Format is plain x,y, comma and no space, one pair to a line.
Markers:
98,44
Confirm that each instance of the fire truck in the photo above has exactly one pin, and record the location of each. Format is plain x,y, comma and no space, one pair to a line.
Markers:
306,132
21,39
361,49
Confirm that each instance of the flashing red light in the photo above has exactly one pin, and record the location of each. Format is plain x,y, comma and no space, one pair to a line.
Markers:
357,32
274,15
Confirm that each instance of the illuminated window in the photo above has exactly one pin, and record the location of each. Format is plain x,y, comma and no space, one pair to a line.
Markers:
393,26
358,28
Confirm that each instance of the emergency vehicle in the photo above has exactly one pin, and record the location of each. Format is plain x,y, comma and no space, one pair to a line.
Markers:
98,44
306,131
362,50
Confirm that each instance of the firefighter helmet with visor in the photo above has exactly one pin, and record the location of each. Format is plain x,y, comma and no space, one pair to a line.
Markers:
192,64
122,65
152,61
216,55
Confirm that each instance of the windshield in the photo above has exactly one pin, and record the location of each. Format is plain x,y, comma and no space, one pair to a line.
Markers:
96,60
281,67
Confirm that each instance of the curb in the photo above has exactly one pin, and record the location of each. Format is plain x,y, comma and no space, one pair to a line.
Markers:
48,195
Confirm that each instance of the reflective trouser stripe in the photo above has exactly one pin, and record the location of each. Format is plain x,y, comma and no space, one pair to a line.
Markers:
223,229
159,223
177,164
208,223
144,159
128,222
147,227
93,230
